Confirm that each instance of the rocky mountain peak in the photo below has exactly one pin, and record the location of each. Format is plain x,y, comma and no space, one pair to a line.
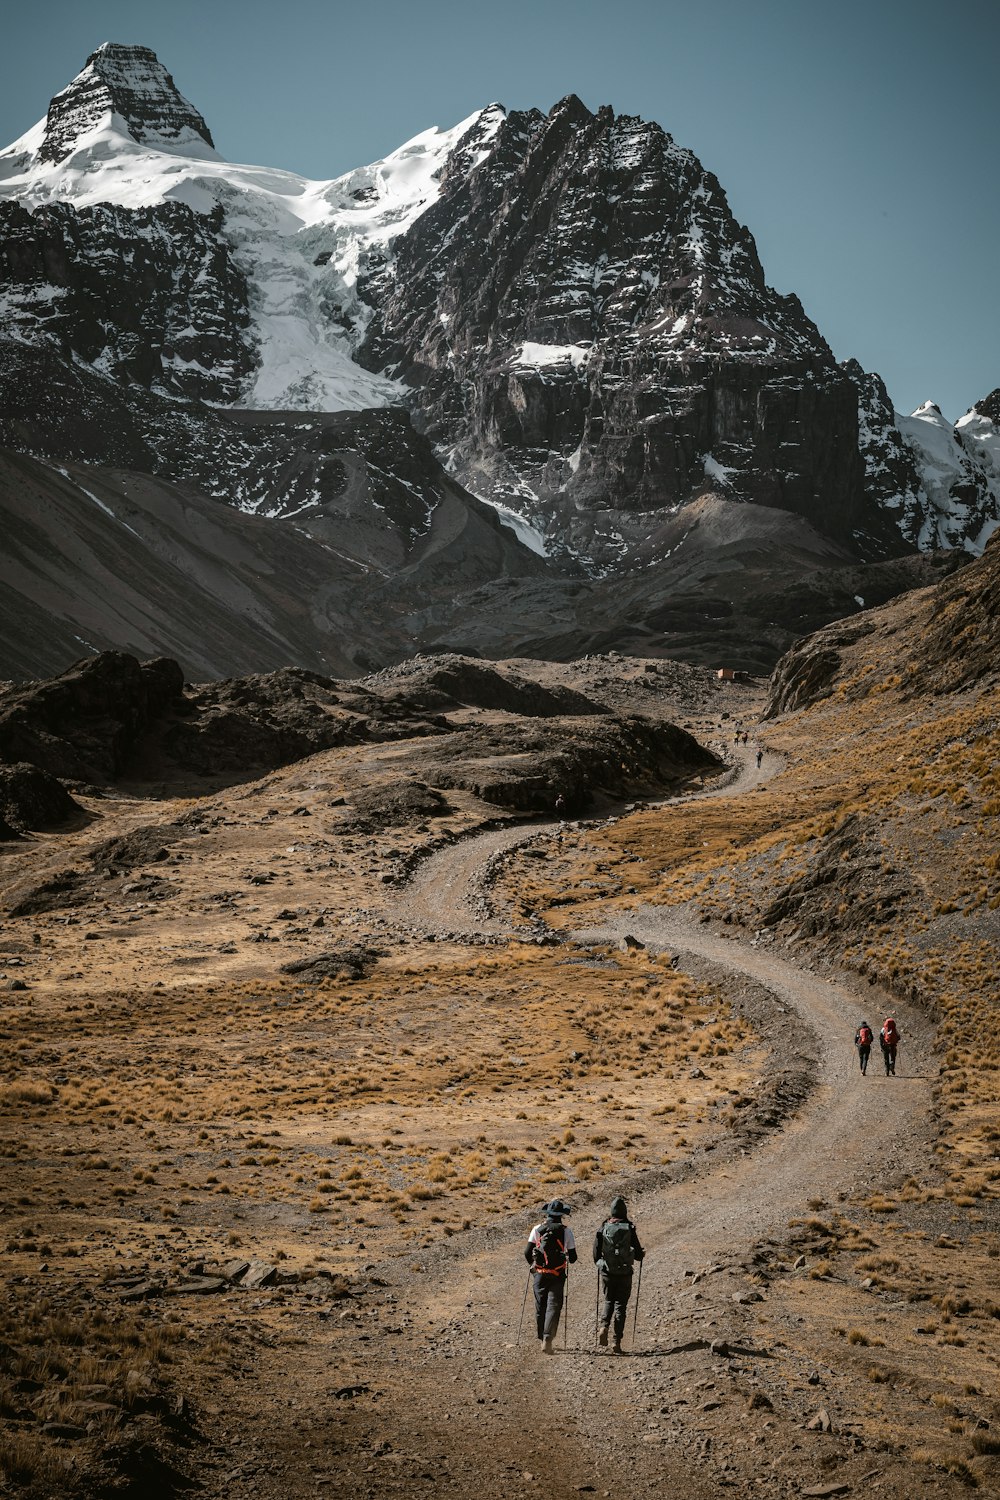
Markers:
131,83
586,327
989,406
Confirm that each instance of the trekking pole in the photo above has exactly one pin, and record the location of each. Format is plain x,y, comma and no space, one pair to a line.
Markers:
635,1312
597,1309
524,1303
566,1315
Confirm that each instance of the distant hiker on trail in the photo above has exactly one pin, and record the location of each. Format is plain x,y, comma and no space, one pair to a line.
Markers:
616,1248
863,1038
550,1251
745,737
560,805
760,757
888,1040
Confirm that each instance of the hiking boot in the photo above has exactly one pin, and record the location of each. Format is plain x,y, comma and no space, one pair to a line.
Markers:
602,1338
547,1345
616,1348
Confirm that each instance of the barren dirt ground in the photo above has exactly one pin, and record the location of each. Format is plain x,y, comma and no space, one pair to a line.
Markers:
437,1099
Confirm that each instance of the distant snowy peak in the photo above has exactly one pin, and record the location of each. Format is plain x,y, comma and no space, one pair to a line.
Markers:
939,483
131,86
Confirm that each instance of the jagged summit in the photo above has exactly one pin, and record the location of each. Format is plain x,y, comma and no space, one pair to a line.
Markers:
128,82
989,406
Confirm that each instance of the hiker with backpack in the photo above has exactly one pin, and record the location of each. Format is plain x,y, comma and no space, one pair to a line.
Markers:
616,1249
888,1040
550,1251
863,1038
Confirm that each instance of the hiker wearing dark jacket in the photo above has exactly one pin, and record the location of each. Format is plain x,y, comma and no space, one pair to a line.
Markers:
616,1247
863,1038
550,1251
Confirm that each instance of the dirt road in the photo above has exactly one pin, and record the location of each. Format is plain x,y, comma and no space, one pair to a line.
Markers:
705,1398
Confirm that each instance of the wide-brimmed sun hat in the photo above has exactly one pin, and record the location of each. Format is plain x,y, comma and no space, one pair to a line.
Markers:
557,1208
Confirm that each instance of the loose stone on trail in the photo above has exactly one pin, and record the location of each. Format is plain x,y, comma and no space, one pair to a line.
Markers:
820,1422
258,1274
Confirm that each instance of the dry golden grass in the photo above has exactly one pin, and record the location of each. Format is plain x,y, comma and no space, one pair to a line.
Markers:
474,1083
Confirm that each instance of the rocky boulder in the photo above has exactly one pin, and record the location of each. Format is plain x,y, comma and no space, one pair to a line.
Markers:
31,798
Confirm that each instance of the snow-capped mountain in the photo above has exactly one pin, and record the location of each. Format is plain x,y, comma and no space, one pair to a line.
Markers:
588,330
564,304
939,481
959,470
120,135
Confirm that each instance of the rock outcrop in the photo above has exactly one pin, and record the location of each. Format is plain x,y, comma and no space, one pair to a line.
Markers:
31,799
88,723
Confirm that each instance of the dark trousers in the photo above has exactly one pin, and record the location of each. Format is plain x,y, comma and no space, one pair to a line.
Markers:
864,1053
549,1292
889,1056
616,1291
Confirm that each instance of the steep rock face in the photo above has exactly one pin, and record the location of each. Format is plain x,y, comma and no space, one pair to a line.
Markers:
959,470
363,483
133,84
989,407
588,328
150,296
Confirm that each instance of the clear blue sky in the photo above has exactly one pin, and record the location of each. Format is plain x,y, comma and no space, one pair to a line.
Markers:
857,140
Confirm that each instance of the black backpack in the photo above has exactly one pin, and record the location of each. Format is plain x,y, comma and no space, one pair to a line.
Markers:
550,1251
616,1247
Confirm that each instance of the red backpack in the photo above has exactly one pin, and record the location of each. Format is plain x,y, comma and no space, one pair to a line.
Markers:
864,1036
890,1033
550,1251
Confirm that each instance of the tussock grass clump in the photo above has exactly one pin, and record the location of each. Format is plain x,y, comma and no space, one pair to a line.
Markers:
25,1091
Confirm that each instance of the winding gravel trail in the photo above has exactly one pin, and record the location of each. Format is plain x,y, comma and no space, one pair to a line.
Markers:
583,1420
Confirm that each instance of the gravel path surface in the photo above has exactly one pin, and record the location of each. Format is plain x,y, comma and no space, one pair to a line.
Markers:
585,1420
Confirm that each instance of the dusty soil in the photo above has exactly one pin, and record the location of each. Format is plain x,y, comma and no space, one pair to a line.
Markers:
380,1130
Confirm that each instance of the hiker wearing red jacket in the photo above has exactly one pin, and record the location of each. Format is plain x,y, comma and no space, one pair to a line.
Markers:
888,1040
